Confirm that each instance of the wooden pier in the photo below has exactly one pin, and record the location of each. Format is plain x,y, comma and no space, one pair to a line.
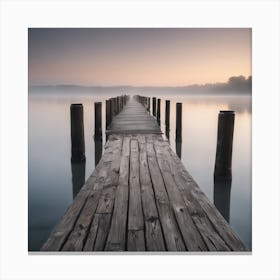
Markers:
140,197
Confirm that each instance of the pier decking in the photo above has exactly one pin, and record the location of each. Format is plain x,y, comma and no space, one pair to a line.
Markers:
140,197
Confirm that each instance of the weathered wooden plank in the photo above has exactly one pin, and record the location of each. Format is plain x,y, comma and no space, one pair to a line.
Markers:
103,230
135,213
62,230
191,236
192,193
117,235
153,232
101,222
213,241
154,236
106,201
133,118
171,232
135,240
105,182
76,239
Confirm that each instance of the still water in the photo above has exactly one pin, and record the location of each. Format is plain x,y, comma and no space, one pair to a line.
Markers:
53,181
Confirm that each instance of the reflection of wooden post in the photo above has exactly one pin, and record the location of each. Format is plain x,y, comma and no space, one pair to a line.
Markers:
158,111
224,145
222,190
154,106
77,132
179,122
178,148
78,176
98,120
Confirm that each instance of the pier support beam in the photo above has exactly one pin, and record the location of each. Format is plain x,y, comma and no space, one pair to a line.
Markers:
98,120
167,118
224,145
108,113
178,122
154,106
77,132
158,111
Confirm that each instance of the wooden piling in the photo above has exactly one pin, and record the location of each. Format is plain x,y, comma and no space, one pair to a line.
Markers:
154,106
178,122
158,111
224,145
167,113
108,113
149,104
98,120
77,132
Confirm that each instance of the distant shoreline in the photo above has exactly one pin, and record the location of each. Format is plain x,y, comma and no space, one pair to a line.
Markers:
235,85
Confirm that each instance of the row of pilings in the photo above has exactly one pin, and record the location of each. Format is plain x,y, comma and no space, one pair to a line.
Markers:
156,105
114,106
223,160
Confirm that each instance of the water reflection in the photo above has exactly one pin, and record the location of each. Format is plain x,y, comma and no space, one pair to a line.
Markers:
78,175
49,178
222,190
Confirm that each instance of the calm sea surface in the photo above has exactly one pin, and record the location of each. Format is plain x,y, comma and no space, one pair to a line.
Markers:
53,181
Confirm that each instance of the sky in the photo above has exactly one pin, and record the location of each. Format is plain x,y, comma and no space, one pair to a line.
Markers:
137,56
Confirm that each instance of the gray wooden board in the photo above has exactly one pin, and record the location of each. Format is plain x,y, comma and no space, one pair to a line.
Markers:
117,235
134,118
200,206
191,235
153,232
172,236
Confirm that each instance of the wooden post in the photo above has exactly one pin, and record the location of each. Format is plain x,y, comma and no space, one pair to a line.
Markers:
154,106
77,132
108,113
158,111
167,118
224,145
111,109
121,98
167,113
119,104
115,106
179,122
97,150
149,104
98,120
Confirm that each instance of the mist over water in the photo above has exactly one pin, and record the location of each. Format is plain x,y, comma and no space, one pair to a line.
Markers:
53,181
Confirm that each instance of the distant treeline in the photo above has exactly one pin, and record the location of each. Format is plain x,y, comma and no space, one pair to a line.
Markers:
236,85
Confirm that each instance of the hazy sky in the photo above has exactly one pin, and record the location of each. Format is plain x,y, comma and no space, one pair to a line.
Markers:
138,57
